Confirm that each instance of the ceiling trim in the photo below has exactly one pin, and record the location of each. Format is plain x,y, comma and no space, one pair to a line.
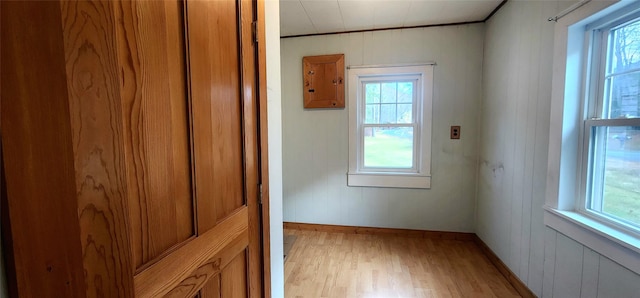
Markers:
496,10
407,27
383,29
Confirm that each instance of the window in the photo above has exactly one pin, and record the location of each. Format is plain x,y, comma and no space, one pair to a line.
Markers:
390,126
612,124
593,175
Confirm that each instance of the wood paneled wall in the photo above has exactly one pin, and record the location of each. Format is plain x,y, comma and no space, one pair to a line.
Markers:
513,162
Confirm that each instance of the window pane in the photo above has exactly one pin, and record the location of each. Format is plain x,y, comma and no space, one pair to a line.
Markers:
389,92
388,147
387,113
622,101
405,92
622,86
372,92
372,114
405,113
624,49
616,173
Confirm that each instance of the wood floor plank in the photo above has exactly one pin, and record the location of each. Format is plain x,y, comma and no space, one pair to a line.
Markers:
339,264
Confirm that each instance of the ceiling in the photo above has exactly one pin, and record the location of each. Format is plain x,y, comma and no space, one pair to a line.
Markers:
301,17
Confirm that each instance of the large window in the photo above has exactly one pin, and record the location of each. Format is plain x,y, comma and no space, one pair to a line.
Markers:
612,123
390,126
593,175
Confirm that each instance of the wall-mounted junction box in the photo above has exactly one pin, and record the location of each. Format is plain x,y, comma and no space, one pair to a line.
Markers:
323,81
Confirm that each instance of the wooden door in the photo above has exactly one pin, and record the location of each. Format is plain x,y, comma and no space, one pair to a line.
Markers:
163,134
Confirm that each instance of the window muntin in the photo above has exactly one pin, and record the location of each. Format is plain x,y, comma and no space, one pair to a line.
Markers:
389,101
612,127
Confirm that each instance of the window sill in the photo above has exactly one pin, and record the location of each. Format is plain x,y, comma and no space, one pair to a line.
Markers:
389,180
614,244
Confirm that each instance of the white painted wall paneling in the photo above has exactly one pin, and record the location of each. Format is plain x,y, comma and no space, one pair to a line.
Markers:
513,162
315,142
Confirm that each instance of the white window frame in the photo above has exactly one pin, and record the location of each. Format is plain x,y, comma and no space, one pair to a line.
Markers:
419,175
574,99
593,105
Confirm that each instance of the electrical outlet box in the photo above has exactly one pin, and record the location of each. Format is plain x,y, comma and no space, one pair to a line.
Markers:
455,132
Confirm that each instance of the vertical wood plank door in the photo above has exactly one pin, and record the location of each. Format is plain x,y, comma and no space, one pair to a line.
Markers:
150,116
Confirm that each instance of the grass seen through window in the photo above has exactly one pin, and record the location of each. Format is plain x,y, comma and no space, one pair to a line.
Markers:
388,147
621,196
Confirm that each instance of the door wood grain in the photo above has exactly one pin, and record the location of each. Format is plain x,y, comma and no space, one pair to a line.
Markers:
132,148
217,114
38,153
156,126
170,271
97,131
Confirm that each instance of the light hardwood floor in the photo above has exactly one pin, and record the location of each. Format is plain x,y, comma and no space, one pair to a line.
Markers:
323,264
